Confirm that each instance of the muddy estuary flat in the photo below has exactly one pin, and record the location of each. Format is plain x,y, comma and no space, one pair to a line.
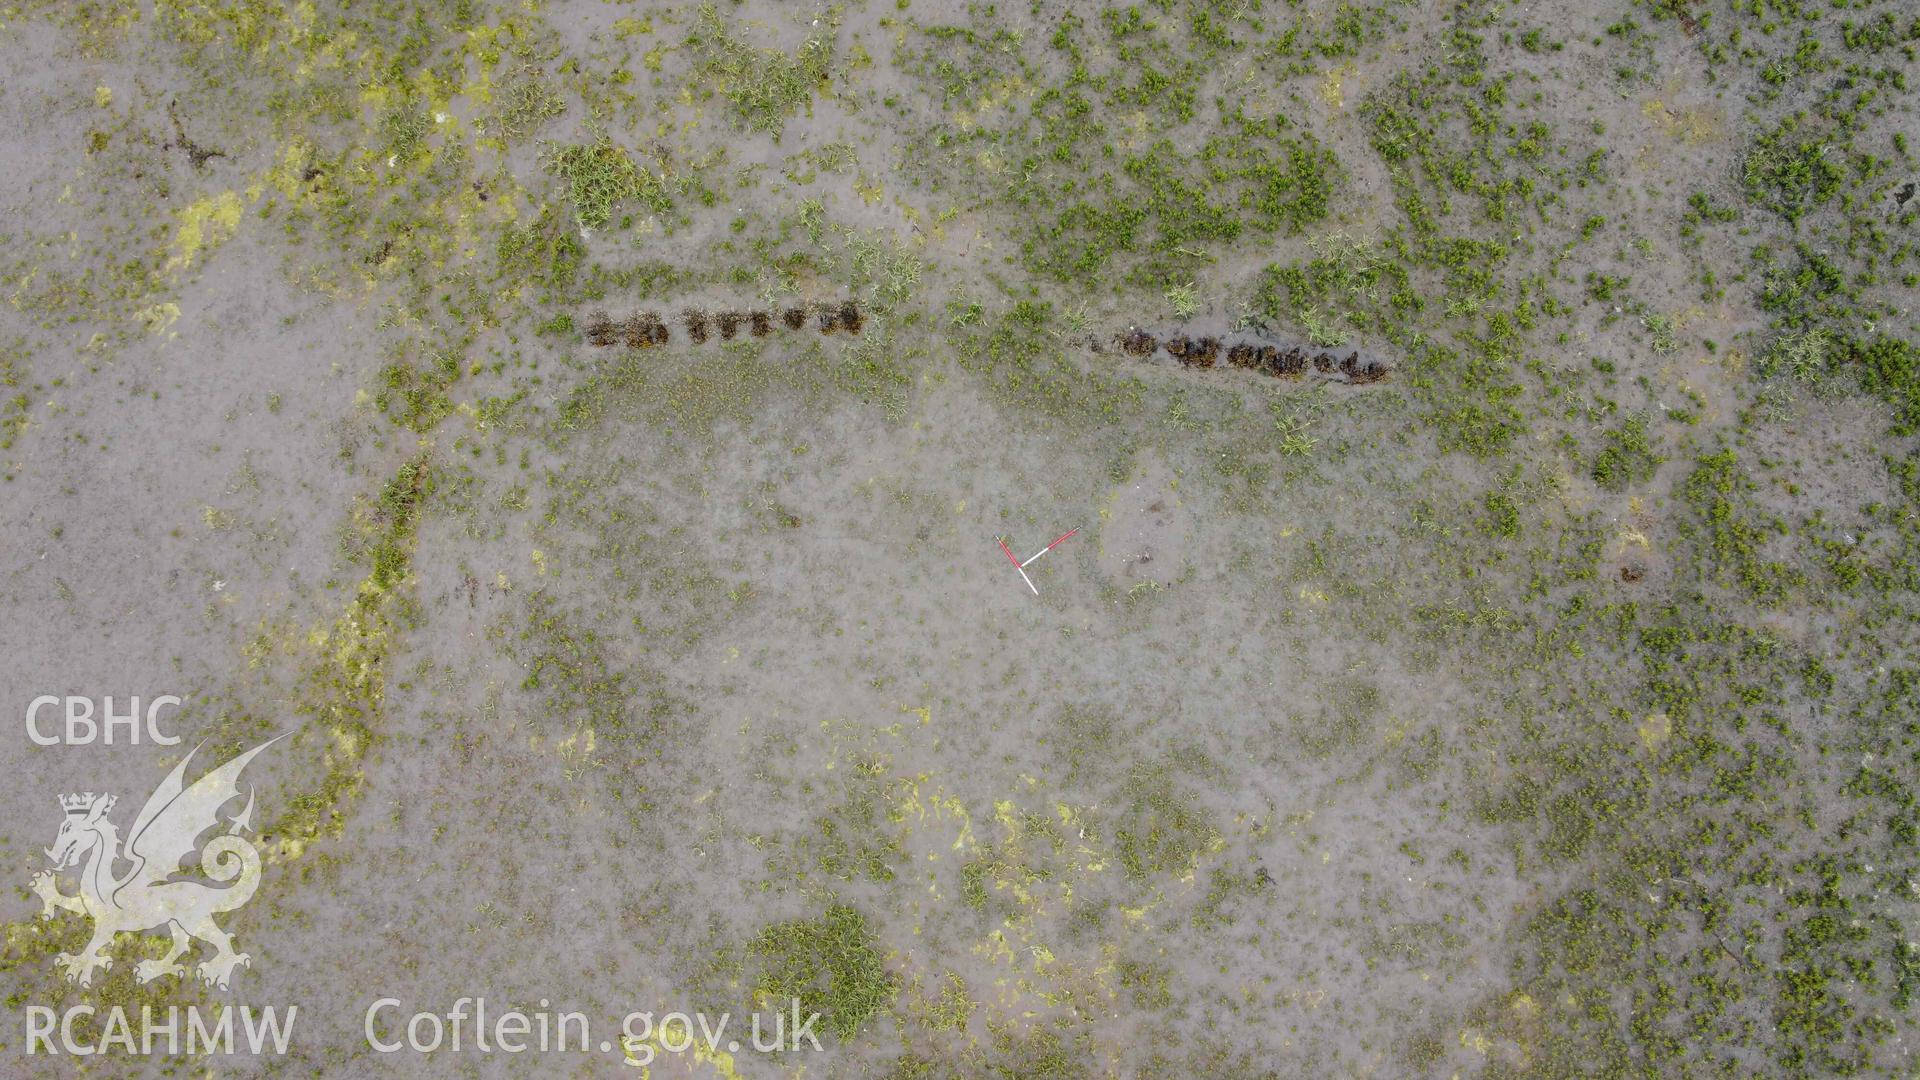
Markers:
926,540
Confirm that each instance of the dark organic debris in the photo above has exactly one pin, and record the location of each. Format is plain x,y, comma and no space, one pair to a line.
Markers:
642,331
646,329
1139,343
1289,363
197,154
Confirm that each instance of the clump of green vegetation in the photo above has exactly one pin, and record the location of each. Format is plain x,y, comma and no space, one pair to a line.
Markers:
1734,530
855,838
405,129
395,519
766,87
1320,329
1805,355
1097,164
1164,831
1040,1053
1503,515
883,265
544,252
1294,440
833,158
527,103
1260,179
1025,367
1626,456
417,397
13,409
873,370
1184,300
1791,171
1342,286
1890,368
1024,853
1661,333
567,664
832,964
601,176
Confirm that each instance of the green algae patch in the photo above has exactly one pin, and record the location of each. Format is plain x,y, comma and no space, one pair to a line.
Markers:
203,226
344,689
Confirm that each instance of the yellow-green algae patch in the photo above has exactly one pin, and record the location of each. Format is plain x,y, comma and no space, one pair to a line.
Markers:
203,226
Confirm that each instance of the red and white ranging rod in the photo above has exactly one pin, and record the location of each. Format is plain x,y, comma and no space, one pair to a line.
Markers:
1021,567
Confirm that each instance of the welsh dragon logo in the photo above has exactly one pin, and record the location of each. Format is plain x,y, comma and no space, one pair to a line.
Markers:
147,895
